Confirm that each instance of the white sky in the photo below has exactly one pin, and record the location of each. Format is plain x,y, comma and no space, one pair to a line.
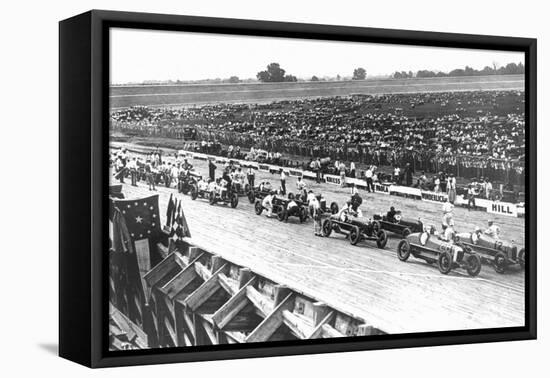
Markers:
138,55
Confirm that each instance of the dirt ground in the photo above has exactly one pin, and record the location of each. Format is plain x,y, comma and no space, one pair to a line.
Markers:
362,280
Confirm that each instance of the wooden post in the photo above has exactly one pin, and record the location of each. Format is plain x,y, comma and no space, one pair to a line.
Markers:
244,276
280,293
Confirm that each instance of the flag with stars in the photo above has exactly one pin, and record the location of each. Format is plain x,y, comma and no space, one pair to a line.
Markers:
141,217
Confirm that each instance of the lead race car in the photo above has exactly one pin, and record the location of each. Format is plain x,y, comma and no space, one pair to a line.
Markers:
499,253
431,248
355,228
396,224
280,208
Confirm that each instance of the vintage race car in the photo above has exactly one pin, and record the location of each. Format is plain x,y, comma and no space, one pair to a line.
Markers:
259,192
399,225
499,253
280,209
186,181
229,198
195,192
447,255
241,189
356,229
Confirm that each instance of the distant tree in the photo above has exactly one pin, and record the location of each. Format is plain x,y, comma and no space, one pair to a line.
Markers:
359,74
273,74
314,78
234,79
290,78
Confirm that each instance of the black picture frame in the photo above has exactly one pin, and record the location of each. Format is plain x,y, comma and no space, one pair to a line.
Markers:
83,141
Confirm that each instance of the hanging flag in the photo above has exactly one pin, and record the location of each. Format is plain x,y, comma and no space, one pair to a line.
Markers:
183,228
169,211
141,216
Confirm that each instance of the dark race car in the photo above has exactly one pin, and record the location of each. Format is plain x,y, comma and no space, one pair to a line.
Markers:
259,192
229,198
499,253
399,225
187,181
356,229
447,255
280,208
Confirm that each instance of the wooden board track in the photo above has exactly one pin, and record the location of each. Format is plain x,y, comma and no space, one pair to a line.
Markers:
362,281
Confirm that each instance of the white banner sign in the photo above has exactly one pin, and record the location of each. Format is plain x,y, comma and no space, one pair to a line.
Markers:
433,196
405,190
503,208
333,179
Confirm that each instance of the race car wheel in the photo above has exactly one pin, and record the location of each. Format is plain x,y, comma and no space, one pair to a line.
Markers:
376,226
212,198
234,200
473,265
500,262
281,214
445,262
406,232
326,227
403,250
354,235
382,239
334,208
246,188
303,215
194,192
251,196
521,258
258,208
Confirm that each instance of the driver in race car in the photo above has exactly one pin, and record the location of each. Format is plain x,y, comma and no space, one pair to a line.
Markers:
348,210
391,214
292,207
202,184
265,186
223,184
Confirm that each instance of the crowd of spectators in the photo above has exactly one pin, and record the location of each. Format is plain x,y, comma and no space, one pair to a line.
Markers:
471,134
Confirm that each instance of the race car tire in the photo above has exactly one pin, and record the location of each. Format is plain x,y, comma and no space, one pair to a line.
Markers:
406,232
251,196
354,235
212,198
194,192
258,208
403,250
382,239
445,262
234,200
499,262
281,214
246,188
521,258
334,208
326,227
376,226
473,265
303,215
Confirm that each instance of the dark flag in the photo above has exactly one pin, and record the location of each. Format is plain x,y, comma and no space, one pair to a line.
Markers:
169,212
182,229
141,216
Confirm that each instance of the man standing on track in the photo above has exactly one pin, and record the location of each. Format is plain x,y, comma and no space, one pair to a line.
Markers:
283,182
368,178
250,177
315,207
447,214
211,170
132,166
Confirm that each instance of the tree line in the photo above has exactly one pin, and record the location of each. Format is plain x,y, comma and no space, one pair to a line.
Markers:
509,69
